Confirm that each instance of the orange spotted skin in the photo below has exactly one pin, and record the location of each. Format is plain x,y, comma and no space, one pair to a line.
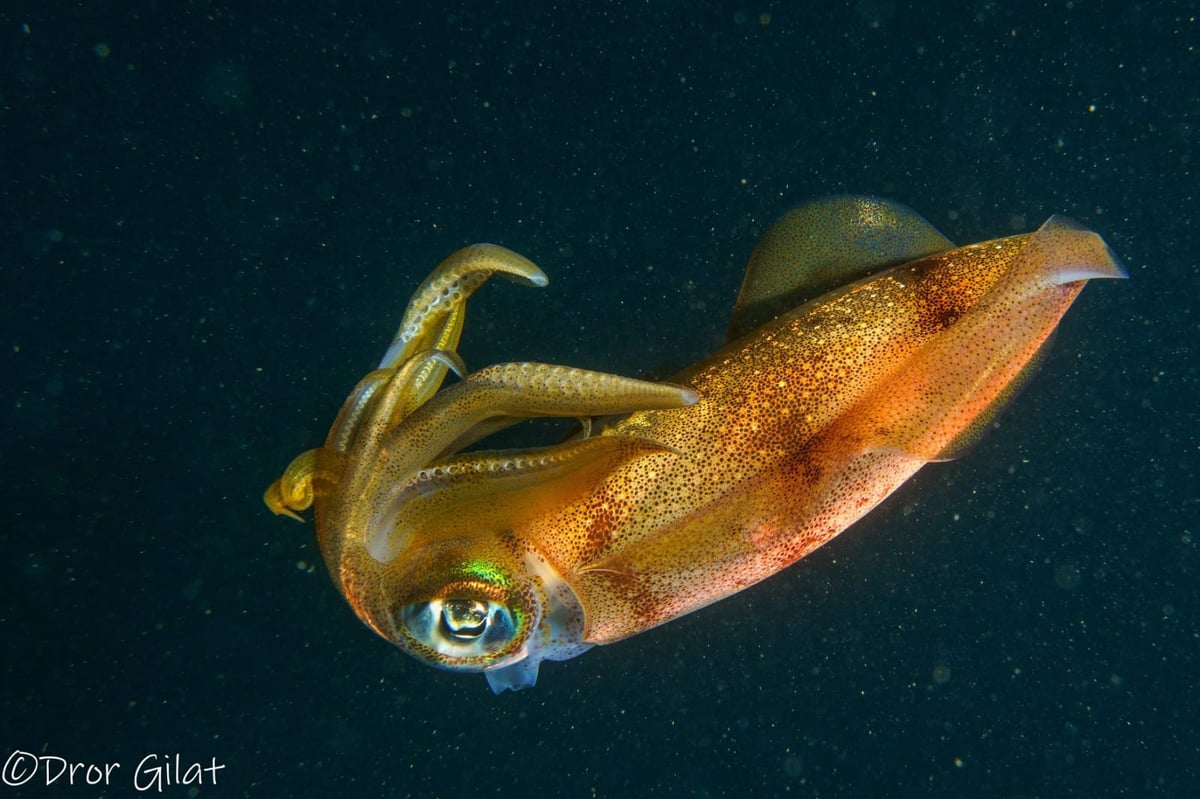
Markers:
803,426
677,494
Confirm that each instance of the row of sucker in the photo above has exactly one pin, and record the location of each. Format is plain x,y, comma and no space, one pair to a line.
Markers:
448,287
520,390
501,485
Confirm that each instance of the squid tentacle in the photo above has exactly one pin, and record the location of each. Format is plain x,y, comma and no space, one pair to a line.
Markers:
432,320
311,474
522,390
499,487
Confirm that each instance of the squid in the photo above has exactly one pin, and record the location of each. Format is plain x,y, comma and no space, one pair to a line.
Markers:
863,345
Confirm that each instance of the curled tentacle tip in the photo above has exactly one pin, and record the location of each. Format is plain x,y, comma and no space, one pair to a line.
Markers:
273,497
511,264
531,275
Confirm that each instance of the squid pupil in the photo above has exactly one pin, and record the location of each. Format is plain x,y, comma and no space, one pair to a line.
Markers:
464,618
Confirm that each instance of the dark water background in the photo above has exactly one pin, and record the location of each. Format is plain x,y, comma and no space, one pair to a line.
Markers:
213,213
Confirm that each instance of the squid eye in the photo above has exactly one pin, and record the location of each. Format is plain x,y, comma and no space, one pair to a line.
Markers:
464,619
462,633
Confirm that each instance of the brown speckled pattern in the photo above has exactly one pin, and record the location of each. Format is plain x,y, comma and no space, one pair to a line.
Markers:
802,426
